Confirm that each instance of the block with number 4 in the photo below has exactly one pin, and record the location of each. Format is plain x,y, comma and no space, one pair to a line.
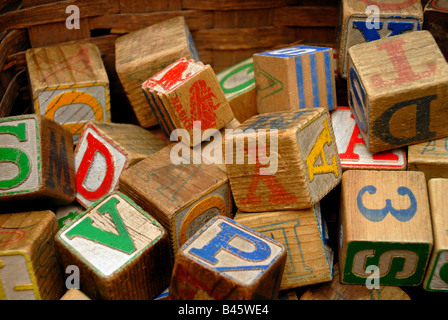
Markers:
385,227
282,161
227,261
121,251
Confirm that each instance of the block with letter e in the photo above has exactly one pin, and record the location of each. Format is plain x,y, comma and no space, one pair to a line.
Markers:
398,90
29,268
225,260
186,95
385,230
363,21
282,161
104,151
294,78
36,161
121,251
69,84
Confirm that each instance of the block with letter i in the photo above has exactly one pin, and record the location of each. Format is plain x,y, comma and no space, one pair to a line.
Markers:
295,78
436,21
398,90
436,278
104,151
187,95
365,21
121,251
142,53
29,269
302,167
429,157
182,196
227,261
69,84
36,161
385,227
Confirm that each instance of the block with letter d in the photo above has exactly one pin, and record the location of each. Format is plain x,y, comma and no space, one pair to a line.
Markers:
36,161
69,84
282,161
398,90
104,151
385,230
121,251
294,78
225,260
363,21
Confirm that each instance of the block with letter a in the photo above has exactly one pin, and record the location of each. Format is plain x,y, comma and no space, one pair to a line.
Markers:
225,260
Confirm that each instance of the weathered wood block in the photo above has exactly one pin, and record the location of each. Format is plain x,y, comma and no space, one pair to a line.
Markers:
353,152
430,157
436,21
398,90
120,146
385,224
141,54
74,294
36,160
365,21
69,84
238,85
335,290
436,278
121,251
302,167
68,213
295,78
227,261
182,196
304,235
29,269
186,95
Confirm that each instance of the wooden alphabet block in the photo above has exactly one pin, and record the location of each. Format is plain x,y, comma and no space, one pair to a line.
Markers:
385,225
238,85
187,95
304,235
121,251
365,21
335,290
36,160
436,278
430,157
142,53
29,269
436,21
302,167
294,78
227,261
69,84
182,196
74,294
121,146
398,90
67,214
352,150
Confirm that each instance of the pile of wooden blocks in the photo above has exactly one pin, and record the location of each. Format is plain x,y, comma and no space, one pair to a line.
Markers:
247,183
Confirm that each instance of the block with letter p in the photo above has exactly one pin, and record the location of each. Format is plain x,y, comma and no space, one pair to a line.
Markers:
385,227
227,261
398,90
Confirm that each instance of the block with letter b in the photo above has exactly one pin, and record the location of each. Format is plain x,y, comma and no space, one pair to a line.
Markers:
398,90
385,225
29,268
104,151
187,95
295,78
121,251
69,84
36,160
227,261
282,161
364,21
